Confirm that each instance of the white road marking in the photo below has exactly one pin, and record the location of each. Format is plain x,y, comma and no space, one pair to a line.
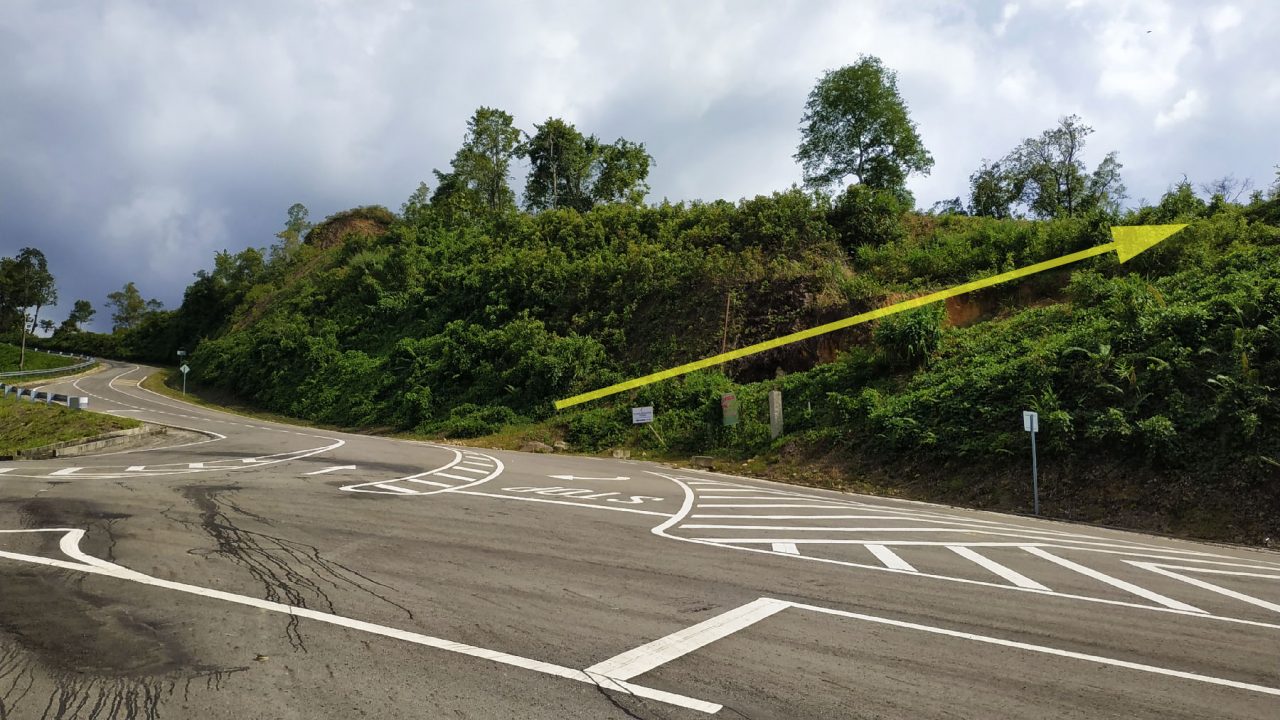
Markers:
786,548
562,502
86,563
135,468
762,505
395,488
1210,586
1007,573
478,471
1044,649
890,558
641,660
5,470
453,477
335,468
426,482
196,466
1114,582
579,477
762,497
65,471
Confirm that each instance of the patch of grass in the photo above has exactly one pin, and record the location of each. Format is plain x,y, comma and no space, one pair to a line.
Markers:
25,425
10,354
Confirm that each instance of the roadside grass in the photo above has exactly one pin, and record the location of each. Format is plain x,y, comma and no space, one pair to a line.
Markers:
10,354
25,425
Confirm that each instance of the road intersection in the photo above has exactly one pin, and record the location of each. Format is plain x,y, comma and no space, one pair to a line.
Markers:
275,571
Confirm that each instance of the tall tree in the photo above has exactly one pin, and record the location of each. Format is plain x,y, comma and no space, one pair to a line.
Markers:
479,170
856,124
81,313
568,169
1047,176
128,309
560,160
416,207
26,286
295,226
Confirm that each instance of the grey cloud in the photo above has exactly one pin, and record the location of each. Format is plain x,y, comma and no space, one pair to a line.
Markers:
139,137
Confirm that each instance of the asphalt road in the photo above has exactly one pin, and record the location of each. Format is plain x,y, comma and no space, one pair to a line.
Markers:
269,571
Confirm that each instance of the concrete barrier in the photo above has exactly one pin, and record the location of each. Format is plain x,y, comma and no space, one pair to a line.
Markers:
75,403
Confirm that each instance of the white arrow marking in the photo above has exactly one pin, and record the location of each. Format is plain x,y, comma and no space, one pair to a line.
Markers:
335,468
579,477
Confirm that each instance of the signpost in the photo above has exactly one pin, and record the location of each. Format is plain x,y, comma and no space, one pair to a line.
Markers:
775,414
641,415
1031,423
729,408
185,369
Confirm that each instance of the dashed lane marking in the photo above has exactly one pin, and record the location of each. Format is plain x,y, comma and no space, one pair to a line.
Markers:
335,468
1007,573
1113,581
890,558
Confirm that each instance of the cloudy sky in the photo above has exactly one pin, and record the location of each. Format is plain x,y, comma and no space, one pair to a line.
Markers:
139,137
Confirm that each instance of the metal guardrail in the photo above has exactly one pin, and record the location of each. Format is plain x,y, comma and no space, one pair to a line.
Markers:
71,401
49,371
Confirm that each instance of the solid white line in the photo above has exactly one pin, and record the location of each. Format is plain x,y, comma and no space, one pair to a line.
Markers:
335,468
641,660
763,505
453,477
747,490
478,471
395,488
426,482
890,558
1114,582
1009,574
89,564
561,502
786,548
760,497
819,528
1044,649
1208,585
806,517
65,471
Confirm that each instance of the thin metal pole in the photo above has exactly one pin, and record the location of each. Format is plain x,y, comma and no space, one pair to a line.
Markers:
184,392
1035,478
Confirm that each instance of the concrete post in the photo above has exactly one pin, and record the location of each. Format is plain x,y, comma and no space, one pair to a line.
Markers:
775,414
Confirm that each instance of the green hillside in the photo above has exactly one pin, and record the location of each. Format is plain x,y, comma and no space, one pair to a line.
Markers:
10,354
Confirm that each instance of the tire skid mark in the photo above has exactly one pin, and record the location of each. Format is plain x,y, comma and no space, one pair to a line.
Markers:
290,572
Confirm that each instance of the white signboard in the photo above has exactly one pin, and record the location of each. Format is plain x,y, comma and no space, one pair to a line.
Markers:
1030,421
641,415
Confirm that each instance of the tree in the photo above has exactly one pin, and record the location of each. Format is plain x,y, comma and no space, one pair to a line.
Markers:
855,123
568,169
1046,175
417,206
47,326
992,191
478,177
26,286
81,313
128,309
295,226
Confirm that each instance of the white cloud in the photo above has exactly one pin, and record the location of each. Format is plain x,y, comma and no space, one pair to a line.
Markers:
1007,14
1223,18
1186,106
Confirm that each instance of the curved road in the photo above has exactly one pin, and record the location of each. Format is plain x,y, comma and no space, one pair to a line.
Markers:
269,571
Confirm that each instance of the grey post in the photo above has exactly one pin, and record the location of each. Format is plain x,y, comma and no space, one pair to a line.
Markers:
775,414
1031,423
185,369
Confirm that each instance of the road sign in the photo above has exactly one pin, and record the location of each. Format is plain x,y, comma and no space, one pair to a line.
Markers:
1030,421
729,408
641,415
185,369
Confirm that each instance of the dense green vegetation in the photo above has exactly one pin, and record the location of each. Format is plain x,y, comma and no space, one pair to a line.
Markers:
462,315
25,425
9,357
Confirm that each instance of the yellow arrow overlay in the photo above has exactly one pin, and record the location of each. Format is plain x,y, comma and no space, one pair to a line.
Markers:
1128,241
